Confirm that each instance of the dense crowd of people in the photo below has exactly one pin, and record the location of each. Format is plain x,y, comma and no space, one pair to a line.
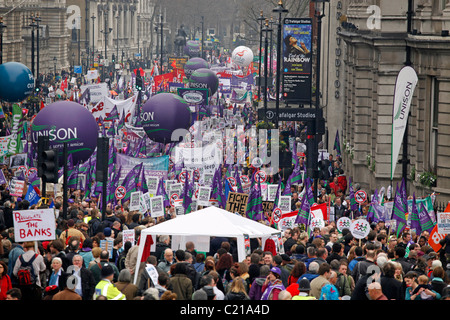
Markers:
318,264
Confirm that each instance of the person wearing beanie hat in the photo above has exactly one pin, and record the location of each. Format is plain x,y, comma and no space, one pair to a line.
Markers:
200,295
272,285
107,232
105,287
304,289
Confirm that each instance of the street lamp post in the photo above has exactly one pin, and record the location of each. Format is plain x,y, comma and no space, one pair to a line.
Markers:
93,39
106,32
37,19
315,152
117,42
54,65
86,31
162,39
271,22
280,10
157,42
203,37
32,25
267,30
138,35
2,28
260,19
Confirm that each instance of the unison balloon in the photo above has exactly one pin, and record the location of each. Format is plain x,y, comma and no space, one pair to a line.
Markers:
204,79
194,64
70,122
164,113
17,82
242,56
192,48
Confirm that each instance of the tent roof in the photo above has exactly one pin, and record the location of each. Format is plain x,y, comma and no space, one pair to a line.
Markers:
211,221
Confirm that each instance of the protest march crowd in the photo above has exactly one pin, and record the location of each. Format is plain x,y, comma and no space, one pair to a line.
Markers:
94,253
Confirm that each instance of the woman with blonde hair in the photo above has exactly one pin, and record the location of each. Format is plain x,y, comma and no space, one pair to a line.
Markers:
237,290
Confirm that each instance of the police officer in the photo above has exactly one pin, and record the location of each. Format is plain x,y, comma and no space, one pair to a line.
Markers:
105,287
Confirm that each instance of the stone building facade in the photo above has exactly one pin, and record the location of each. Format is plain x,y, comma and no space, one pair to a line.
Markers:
373,49
53,35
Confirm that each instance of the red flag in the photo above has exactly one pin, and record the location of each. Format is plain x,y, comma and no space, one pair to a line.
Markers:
320,211
42,105
64,84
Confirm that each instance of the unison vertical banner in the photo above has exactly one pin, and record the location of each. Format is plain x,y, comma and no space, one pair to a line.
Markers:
297,60
404,90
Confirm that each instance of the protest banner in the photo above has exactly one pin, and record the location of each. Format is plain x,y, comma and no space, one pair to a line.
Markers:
287,220
319,211
237,202
34,225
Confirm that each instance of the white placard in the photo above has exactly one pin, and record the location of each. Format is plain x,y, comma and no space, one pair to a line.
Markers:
135,199
443,222
156,206
152,184
16,187
129,235
284,204
271,192
34,225
360,228
204,194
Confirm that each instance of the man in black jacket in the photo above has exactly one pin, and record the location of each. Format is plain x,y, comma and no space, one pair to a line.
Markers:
361,267
81,280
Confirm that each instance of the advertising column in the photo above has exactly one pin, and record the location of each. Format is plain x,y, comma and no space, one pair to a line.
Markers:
297,60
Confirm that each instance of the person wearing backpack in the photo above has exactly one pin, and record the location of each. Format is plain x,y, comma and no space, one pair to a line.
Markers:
27,269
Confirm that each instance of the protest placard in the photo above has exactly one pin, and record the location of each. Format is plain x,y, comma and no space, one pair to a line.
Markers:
156,206
34,225
16,187
135,198
203,197
237,202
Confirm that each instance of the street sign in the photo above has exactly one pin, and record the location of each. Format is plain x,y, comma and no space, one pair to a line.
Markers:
173,199
261,176
290,114
277,215
360,196
120,192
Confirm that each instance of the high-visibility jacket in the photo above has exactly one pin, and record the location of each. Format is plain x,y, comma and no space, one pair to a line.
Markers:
107,289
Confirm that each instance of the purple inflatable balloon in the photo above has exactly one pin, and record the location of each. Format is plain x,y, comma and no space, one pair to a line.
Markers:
204,79
164,113
192,48
194,64
66,121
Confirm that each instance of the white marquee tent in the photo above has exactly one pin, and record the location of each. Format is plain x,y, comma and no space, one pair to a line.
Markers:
199,226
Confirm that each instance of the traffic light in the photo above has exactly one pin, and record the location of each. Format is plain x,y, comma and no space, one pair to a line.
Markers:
139,83
50,166
37,86
113,58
